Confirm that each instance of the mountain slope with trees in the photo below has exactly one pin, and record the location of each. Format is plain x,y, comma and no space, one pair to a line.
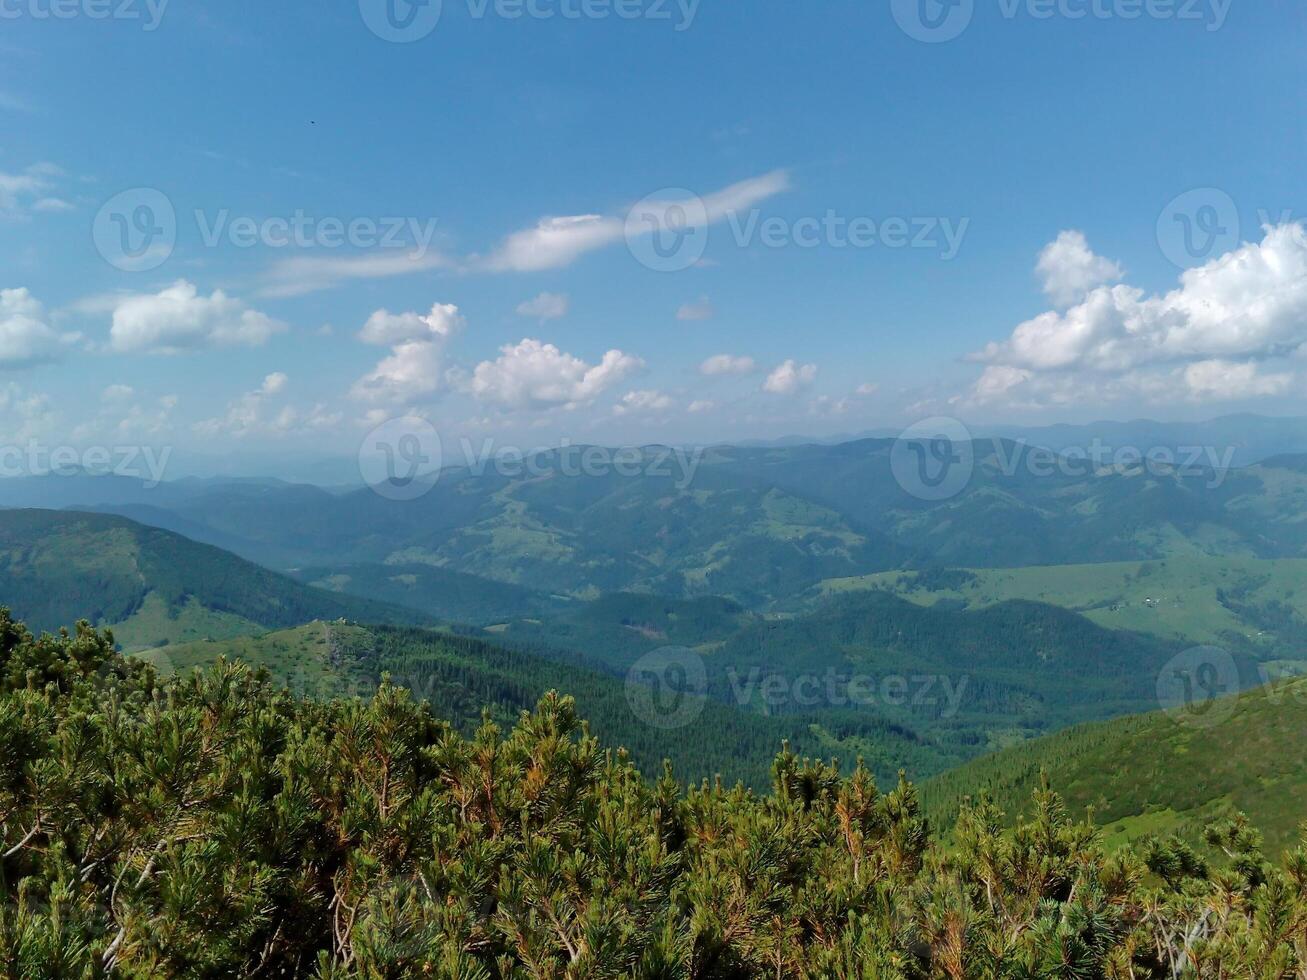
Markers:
153,586
1159,773
216,825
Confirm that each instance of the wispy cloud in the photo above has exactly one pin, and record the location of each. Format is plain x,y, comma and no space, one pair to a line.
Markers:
310,273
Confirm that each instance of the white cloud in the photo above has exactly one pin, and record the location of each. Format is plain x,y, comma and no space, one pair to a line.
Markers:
642,401
789,378
24,415
254,413
121,415
1205,338
728,364
556,242
26,337
1069,269
22,192
417,346
388,329
700,309
310,274
700,406
866,390
178,318
51,205
1226,381
546,306
535,375
412,371
274,384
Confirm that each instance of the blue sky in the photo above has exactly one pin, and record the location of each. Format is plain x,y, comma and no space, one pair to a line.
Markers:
1008,186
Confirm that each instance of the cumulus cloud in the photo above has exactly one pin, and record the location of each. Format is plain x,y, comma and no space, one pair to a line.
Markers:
1227,381
26,337
642,401
417,346
1069,269
274,384
700,406
178,318
23,414
412,371
122,414
728,364
555,242
388,329
1207,338
546,306
536,375
789,378
257,413
700,309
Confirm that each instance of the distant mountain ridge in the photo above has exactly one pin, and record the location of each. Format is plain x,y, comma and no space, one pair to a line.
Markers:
760,525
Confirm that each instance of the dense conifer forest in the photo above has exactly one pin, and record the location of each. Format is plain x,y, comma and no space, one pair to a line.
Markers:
216,825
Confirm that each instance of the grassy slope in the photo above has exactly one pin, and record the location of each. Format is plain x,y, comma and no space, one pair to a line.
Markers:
1184,605
1157,774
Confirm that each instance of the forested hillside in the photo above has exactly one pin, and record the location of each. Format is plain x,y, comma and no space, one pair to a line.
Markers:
465,678
216,825
152,586
1159,774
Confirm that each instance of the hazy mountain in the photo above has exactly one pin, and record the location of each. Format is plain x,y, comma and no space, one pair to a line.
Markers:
759,525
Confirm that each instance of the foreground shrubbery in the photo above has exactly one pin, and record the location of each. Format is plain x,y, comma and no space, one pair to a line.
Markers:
217,826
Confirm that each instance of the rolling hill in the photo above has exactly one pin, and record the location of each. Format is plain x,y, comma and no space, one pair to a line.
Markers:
152,586
1256,603
1158,773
